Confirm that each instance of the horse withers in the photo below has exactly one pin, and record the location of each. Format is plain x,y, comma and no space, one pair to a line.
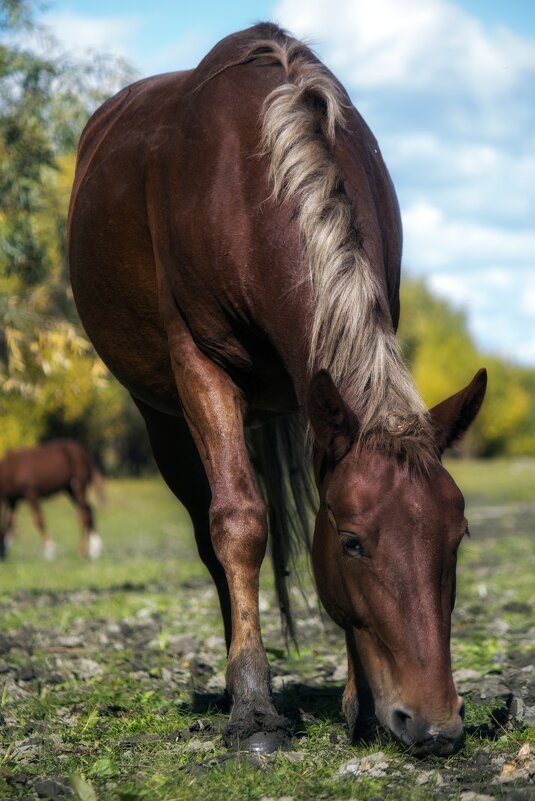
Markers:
235,248
33,473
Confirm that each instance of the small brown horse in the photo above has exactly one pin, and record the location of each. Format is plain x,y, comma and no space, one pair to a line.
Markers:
34,473
235,248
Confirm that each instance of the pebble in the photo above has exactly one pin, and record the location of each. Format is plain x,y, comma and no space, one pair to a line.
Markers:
293,756
373,764
429,777
199,746
87,668
521,767
518,709
52,790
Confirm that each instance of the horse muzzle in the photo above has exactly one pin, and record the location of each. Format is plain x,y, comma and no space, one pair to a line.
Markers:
424,737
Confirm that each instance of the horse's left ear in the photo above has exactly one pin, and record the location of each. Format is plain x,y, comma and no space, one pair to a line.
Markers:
333,423
452,417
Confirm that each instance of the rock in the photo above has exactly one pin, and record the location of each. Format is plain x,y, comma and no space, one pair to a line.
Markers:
26,673
372,764
293,756
521,767
340,673
519,710
87,669
464,675
52,790
278,683
471,796
525,794
69,641
199,746
429,777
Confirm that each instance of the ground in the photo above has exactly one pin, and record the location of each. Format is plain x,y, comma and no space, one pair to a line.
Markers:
111,674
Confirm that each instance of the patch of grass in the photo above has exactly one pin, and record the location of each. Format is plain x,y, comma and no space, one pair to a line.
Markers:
494,481
103,674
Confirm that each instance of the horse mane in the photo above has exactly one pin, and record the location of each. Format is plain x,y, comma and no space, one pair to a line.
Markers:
352,334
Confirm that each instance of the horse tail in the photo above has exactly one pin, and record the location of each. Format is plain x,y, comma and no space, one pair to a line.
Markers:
97,481
279,455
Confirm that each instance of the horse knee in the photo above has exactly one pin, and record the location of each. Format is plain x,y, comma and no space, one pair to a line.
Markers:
239,532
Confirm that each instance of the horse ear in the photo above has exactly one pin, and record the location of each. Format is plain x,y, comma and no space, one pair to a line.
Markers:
334,425
452,417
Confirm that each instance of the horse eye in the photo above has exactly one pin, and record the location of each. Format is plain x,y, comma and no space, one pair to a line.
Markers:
351,544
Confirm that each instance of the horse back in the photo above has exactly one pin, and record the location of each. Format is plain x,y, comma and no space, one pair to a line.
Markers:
44,469
171,189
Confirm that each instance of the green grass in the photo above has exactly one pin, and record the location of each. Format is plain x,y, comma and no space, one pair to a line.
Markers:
494,481
124,730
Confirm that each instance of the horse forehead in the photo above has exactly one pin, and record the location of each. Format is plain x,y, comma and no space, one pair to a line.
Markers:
379,482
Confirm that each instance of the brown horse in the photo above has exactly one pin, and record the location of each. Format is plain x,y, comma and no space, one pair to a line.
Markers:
33,473
235,249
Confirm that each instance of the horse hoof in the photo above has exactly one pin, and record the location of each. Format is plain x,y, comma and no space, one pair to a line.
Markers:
94,545
264,743
49,551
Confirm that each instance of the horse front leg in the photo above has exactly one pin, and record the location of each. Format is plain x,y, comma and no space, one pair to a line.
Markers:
214,411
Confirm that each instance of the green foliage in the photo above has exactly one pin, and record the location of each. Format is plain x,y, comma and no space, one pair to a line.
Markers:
52,382
443,358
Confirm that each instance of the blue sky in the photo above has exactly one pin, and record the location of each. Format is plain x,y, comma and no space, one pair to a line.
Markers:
448,89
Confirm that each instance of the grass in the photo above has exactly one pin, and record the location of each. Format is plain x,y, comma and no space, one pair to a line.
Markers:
112,665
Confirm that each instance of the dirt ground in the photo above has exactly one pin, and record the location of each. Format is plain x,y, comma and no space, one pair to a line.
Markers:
104,688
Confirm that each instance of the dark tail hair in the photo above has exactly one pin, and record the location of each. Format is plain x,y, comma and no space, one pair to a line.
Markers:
283,465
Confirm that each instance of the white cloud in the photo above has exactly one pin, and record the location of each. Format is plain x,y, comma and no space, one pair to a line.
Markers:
437,239
416,42
451,104
82,32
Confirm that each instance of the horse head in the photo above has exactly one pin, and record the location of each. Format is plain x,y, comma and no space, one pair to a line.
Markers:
384,555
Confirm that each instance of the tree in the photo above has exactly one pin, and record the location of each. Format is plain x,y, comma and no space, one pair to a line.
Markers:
51,379
443,358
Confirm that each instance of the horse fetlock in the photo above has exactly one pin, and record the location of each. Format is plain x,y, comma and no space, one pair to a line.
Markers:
50,550
350,707
94,545
248,676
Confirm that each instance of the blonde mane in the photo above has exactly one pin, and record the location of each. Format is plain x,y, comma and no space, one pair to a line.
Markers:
350,334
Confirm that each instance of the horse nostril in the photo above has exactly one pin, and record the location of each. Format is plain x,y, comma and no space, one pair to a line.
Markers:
401,716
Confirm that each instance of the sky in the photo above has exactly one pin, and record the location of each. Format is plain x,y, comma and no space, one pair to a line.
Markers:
448,88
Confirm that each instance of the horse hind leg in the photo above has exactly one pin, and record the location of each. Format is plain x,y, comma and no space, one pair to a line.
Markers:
179,463
90,545
7,527
49,547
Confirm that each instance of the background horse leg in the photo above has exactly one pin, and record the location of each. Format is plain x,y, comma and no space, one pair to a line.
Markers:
49,548
7,529
90,543
7,516
179,463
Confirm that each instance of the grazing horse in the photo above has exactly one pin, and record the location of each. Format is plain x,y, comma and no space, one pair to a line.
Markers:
235,248
33,473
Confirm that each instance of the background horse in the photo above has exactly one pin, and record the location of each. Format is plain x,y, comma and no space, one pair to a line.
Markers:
235,248
34,473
